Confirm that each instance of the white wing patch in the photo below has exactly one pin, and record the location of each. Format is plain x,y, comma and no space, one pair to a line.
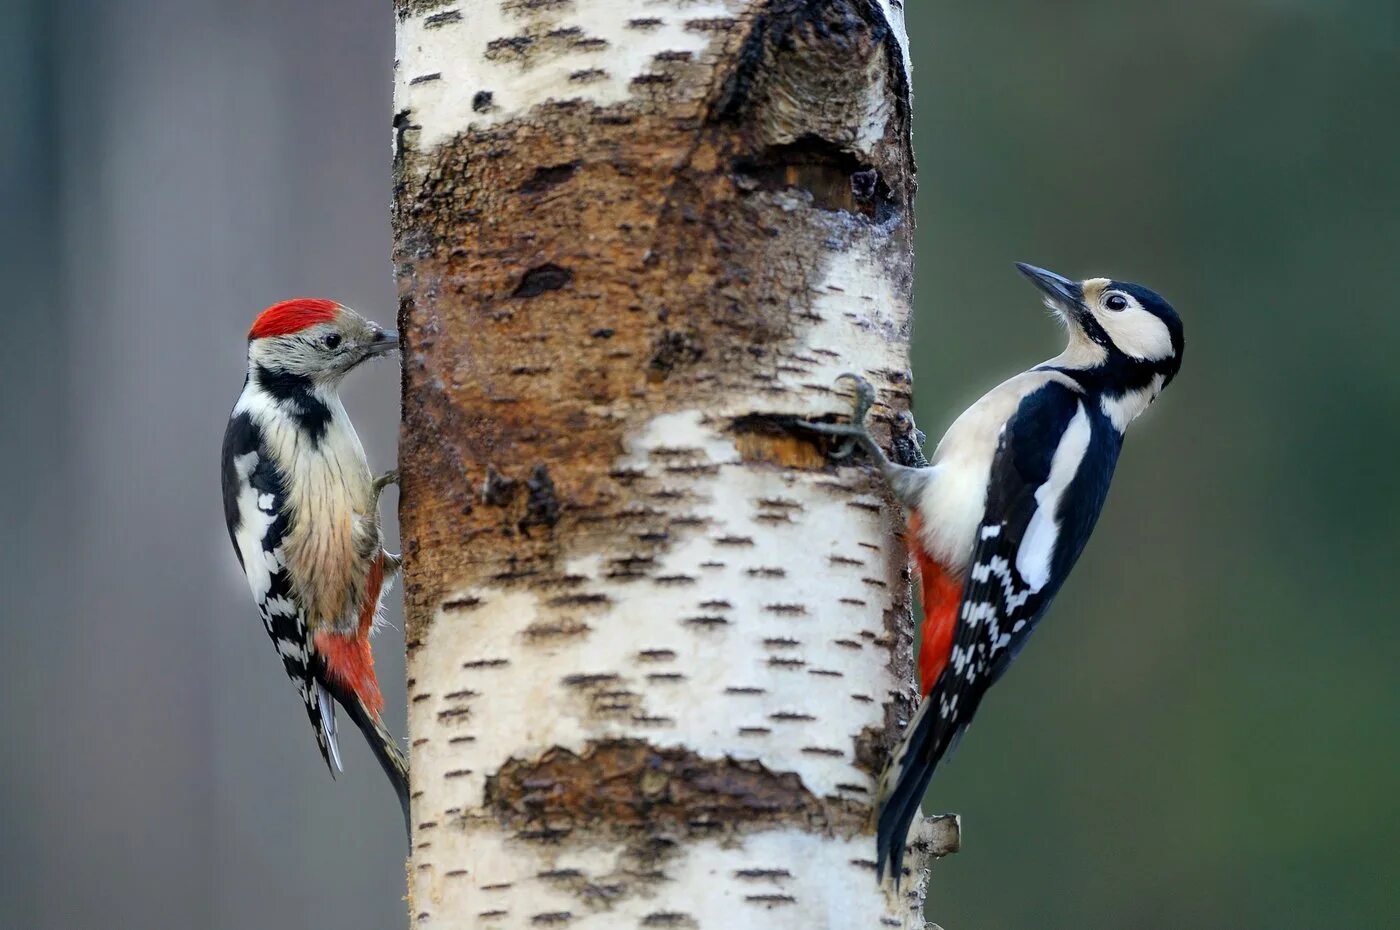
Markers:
1037,548
255,514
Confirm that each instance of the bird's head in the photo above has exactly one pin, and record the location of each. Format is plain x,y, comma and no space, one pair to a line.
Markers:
319,340
1126,330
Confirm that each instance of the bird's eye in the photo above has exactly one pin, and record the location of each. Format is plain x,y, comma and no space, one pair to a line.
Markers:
332,341
1116,302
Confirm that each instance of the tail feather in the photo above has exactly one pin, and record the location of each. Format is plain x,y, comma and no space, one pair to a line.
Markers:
896,817
901,790
326,737
392,759
321,712
927,739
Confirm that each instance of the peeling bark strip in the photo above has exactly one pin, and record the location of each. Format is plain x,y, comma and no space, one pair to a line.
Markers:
658,647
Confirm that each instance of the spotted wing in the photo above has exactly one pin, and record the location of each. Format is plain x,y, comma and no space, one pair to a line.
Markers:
1046,487
254,508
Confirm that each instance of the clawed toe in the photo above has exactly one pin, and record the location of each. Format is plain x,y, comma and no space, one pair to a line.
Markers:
830,429
865,396
383,481
854,433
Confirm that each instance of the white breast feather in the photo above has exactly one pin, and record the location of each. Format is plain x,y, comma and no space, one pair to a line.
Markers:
953,504
329,492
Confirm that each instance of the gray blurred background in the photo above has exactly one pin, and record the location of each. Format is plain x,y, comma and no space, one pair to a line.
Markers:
1205,733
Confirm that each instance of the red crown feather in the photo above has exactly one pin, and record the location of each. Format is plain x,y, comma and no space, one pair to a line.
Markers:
292,316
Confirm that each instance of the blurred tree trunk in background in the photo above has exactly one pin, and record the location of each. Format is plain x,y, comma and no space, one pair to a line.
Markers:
658,647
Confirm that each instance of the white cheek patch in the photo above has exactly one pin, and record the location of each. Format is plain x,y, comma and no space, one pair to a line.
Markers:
1138,334
1037,549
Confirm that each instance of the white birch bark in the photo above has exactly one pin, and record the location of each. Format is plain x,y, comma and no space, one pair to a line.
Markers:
658,646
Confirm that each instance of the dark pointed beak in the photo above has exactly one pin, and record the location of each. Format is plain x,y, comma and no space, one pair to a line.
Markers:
385,341
1064,292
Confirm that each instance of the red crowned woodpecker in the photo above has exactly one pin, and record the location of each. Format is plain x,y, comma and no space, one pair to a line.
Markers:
303,513
1003,510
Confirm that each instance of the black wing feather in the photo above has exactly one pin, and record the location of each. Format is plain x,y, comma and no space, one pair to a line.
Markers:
281,614
998,609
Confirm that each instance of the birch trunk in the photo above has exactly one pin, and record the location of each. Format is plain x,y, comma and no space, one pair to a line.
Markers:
658,646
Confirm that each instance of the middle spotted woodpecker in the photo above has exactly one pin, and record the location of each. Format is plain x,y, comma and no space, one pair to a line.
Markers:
303,513
1000,515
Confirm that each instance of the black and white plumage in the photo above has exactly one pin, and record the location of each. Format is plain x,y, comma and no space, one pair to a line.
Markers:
302,512
255,507
1003,510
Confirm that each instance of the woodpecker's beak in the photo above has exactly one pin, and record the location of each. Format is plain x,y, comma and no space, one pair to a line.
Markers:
385,341
1061,294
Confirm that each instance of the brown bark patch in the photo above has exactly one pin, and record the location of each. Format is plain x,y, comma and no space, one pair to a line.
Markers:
630,786
571,273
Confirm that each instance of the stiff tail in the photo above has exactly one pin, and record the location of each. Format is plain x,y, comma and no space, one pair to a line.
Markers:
385,748
325,734
320,694
929,736
344,669
905,779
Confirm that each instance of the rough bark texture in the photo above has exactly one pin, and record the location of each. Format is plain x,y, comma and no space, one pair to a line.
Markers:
658,646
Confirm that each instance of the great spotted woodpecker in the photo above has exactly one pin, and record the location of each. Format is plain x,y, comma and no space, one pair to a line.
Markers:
1003,510
303,513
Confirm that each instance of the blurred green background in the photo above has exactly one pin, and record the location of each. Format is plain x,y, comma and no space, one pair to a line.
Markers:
1204,733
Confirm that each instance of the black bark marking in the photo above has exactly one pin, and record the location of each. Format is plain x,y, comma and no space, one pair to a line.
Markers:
671,349
508,47
442,19
541,502
486,663
401,126
541,279
498,490
550,176
763,874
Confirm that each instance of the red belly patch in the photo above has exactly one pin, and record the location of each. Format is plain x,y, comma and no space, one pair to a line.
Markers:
349,660
942,595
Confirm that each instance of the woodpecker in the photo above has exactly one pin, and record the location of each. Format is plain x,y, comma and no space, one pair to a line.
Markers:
303,512
999,515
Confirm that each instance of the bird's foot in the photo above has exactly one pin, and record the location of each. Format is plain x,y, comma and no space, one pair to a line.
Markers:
855,433
383,481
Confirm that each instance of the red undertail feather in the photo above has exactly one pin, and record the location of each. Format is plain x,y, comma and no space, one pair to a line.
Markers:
291,316
349,660
942,594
